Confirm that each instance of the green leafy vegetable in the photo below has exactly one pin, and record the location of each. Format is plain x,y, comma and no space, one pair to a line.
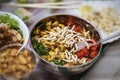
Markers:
59,62
25,18
10,21
58,0
39,48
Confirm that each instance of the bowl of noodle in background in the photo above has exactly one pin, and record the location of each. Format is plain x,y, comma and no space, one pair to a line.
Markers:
63,44
12,30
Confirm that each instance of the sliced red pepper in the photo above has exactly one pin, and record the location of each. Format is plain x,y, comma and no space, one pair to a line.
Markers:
86,51
77,28
80,54
95,47
83,53
93,54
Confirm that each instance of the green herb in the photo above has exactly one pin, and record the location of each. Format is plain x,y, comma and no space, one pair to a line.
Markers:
25,18
39,48
22,1
11,22
58,0
59,62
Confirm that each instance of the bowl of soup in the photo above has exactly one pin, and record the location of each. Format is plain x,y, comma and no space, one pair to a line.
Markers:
66,44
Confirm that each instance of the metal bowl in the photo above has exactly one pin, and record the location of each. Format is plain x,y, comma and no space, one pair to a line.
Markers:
62,70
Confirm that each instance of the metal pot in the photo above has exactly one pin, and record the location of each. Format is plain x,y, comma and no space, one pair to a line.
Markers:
61,70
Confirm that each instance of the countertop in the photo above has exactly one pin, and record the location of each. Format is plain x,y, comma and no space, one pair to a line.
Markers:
108,66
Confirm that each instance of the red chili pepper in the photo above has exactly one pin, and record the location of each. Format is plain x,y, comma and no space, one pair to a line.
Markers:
77,28
95,47
93,54
86,51
80,54
83,53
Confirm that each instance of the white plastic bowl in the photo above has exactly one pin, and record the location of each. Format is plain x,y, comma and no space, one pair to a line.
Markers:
22,26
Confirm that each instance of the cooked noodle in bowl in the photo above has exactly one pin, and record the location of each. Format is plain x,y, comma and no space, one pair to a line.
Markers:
63,43
9,35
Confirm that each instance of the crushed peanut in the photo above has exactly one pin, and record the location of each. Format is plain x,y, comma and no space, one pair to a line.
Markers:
16,66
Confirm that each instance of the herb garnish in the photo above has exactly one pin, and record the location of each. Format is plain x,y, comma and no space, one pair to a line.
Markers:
39,48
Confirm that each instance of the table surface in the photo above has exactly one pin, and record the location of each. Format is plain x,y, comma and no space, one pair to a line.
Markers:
107,68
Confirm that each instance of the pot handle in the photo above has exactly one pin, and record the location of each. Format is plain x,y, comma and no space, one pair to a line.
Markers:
111,38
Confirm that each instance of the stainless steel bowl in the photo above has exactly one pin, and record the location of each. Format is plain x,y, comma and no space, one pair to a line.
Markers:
61,70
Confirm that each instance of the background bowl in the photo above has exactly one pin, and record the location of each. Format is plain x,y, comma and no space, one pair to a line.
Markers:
71,19
34,59
22,26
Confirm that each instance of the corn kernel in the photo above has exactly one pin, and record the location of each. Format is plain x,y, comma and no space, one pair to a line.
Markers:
61,25
49,27
51,58
62,56
49,23
51,53
52,43
56,23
